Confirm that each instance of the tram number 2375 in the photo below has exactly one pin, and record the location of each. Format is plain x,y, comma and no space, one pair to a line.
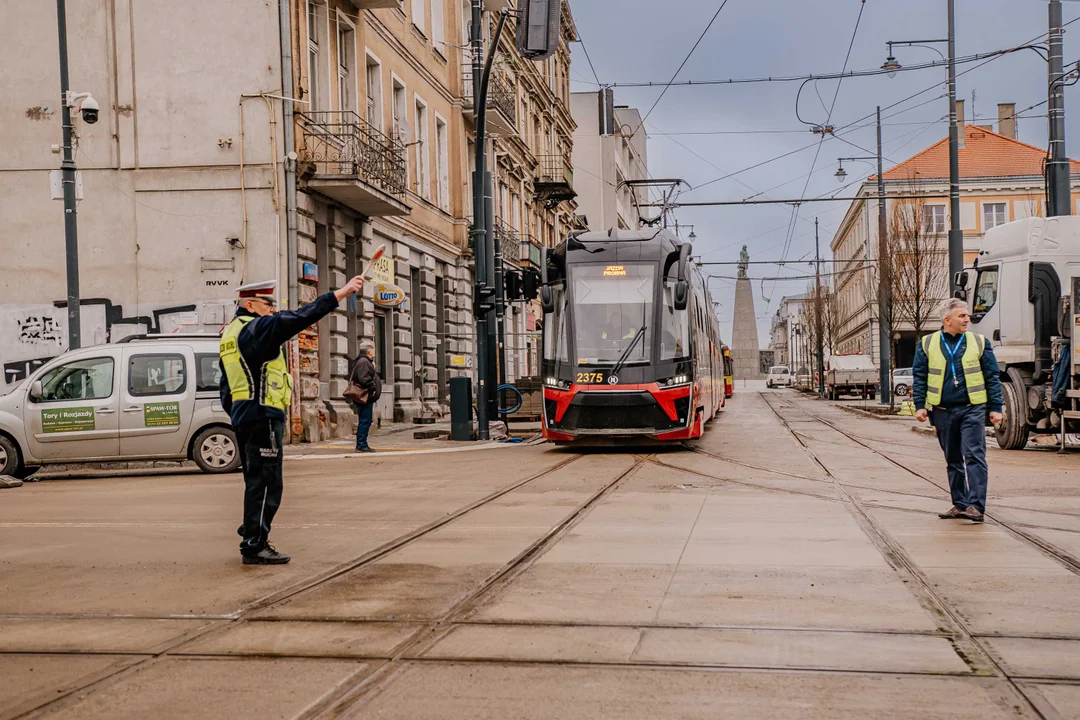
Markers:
590,378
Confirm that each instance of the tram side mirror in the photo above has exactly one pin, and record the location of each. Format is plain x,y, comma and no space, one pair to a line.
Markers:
547,299
682,294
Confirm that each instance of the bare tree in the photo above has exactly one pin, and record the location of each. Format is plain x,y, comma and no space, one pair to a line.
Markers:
884,279
920,264
818,303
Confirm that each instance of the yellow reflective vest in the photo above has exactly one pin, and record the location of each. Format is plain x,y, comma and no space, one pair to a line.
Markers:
970,363
275,382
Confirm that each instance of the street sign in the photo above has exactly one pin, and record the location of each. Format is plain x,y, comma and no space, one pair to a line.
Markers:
388,295
460,361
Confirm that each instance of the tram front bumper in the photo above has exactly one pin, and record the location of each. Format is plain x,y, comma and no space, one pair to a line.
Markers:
628,411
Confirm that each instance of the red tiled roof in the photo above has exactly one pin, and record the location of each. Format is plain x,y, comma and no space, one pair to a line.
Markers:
985,154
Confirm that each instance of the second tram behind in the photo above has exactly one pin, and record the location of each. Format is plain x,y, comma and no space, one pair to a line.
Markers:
632,346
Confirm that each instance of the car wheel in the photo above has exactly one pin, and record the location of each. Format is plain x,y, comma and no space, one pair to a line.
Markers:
1012,432
901,390
9,457
215,450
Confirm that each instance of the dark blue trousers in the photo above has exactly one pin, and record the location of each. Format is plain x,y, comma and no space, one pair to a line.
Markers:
363,425
961,431
260,446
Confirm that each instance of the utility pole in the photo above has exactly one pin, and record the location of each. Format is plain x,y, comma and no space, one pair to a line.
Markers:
819,309
1057,167
956,235
885,274
67,167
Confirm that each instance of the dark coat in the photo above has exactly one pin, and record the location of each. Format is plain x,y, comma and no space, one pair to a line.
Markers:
364,375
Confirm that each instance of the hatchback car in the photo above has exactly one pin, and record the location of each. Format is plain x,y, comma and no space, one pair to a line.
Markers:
149,397
902,379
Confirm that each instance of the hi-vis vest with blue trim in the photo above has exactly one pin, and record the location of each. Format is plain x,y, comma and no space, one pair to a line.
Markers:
275,383
970,362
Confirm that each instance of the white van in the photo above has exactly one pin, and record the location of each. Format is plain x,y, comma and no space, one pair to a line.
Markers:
779,376
149,397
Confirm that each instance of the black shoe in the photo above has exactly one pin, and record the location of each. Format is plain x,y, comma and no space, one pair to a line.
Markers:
973,514
267,556
365,450
954,513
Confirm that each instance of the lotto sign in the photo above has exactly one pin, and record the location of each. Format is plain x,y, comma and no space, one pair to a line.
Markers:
161,414
68,420
387,295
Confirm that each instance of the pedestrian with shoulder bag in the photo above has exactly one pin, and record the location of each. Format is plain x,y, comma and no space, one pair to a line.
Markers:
363,391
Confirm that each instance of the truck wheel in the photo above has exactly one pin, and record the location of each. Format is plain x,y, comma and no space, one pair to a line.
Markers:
1012,432
215,450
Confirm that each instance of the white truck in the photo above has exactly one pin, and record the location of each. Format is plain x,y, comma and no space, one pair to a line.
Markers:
850,375
1020,288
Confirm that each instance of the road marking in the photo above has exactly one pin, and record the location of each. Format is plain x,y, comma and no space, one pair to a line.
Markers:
396,453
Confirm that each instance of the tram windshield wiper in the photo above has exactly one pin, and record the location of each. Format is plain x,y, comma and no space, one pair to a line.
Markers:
629,349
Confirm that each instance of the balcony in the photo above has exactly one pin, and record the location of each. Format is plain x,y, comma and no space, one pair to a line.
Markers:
554,181
501,99
351,162
374,4
509,242
530,250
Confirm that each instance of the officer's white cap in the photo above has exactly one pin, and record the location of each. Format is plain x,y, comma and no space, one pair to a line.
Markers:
264,289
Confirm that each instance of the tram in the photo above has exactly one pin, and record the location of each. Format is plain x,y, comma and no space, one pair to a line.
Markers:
729,372
631,346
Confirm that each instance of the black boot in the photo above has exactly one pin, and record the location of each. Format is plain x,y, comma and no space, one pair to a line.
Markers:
267,556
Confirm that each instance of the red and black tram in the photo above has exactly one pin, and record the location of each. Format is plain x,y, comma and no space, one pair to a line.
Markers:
632,347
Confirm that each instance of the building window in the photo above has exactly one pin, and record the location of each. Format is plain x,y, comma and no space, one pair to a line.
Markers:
423,180
374,93
442,164
933,219
401,124
314,66
346,57
418,15
994,214
438,27
157,375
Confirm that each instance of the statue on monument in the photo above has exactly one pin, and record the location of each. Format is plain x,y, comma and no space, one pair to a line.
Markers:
744,261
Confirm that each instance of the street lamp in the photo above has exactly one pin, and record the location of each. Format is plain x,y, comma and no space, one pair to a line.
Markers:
891,66
841,173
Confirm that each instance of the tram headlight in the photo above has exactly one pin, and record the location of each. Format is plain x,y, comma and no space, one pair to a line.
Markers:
556,383
678,380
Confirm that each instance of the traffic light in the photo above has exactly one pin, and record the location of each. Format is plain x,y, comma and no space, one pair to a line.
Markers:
483,299
512,285
530,284
538,28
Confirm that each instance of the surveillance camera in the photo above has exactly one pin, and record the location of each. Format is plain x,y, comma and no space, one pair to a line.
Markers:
89,110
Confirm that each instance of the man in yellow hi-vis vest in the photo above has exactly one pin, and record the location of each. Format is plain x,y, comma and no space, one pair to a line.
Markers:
956,380
256,390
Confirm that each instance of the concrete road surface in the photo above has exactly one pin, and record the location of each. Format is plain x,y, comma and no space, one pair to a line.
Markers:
789,565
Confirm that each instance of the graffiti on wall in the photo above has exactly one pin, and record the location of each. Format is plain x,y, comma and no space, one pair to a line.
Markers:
31,335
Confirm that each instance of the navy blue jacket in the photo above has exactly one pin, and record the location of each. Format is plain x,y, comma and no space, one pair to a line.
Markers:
956,395
260,342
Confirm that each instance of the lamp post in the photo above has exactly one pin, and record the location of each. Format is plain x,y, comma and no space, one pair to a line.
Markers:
891,65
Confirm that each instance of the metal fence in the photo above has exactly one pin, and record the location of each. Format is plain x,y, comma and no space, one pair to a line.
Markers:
501,95
509,241
554,169
340,142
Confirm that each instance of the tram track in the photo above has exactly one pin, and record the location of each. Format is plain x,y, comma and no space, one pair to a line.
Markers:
970,647
368,684
217,625
1062,557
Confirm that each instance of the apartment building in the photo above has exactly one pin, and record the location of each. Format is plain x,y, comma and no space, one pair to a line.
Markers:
1001,180
607,152
188,190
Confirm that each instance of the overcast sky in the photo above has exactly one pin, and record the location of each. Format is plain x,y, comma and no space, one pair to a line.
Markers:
643,40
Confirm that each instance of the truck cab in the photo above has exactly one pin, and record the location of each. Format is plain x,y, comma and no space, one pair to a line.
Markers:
1015,288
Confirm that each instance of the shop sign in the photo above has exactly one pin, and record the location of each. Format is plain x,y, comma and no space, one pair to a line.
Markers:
388,295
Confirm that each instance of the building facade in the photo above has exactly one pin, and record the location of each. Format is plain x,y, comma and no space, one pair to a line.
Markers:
1000,181
606,154
188,190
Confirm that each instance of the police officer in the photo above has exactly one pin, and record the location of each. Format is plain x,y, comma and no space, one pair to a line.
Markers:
956,382
256,391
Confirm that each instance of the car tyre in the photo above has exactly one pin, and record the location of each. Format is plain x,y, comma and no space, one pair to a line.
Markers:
1012,432
10,459
902,390
216,450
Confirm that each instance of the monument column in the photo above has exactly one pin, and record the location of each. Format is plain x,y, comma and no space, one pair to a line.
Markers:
745,351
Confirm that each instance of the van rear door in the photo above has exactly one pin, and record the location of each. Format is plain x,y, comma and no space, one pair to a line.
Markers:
157,399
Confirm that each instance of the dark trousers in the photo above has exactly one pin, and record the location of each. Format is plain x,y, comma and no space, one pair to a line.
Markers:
260,447
961,431
363,425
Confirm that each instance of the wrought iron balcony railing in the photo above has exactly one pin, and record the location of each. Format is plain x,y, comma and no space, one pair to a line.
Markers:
341,143
501,94
509,241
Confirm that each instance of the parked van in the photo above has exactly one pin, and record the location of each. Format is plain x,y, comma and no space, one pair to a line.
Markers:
148,397
779,376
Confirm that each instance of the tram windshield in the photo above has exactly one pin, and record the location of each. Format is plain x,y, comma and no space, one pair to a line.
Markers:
612,303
